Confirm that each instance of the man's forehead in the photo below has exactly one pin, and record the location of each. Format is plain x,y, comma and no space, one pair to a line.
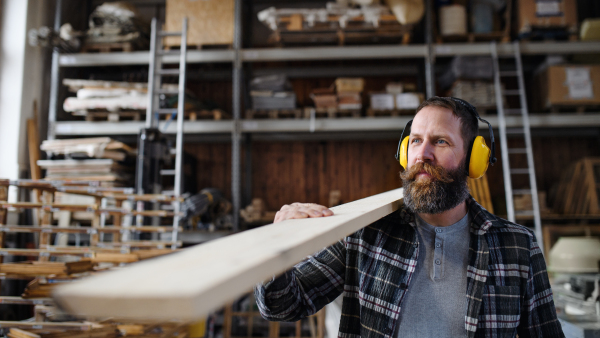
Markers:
436,119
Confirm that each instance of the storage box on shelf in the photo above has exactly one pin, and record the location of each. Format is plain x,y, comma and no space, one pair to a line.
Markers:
539,19
211,22
482,21
394,101
567,88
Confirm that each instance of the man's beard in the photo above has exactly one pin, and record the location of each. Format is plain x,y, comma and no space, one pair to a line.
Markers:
444,190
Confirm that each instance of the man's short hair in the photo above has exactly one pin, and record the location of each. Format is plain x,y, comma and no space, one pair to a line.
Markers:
468,122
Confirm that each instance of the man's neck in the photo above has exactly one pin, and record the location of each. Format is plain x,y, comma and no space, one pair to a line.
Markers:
447,217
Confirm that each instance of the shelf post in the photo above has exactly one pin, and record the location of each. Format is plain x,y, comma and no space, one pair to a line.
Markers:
236,133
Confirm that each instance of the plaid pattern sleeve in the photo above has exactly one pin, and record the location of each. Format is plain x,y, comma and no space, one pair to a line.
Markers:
306,288
538,314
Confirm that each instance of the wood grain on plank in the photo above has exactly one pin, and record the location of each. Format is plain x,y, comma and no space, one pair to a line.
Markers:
188,284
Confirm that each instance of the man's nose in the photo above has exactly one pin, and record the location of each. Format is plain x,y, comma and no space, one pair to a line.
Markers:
424,153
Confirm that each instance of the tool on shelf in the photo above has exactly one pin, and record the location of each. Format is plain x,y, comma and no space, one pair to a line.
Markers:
522,132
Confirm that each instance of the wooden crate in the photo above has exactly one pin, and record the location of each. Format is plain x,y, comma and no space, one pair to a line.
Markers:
210,22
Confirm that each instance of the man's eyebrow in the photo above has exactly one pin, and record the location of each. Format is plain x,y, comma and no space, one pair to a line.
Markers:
435,136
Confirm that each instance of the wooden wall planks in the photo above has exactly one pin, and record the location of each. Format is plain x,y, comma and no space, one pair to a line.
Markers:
286,172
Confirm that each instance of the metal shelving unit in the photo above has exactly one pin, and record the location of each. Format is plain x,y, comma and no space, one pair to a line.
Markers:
74,128
239,128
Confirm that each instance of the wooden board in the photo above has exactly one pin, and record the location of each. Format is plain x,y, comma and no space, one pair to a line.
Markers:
188,284
210,22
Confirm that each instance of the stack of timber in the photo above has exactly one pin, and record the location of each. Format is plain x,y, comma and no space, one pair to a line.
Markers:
110,245
89,159
336,24
256,212
578,190
107,100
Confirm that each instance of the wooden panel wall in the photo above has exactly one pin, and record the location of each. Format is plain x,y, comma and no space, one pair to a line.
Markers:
286,172
213,166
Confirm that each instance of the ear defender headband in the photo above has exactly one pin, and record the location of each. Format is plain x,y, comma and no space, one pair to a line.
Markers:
479,155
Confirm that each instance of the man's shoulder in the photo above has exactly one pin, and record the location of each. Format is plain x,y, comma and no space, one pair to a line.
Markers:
509,233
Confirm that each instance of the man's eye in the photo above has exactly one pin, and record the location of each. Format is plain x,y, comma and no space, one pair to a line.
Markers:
442,142
414,140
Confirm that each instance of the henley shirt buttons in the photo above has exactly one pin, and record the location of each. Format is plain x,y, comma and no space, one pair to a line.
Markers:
438,245
438,230
438,262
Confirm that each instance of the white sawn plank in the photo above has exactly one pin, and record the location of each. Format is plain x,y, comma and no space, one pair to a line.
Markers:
188,284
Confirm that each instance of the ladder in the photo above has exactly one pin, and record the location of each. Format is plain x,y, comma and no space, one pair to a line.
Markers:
521,131
155,90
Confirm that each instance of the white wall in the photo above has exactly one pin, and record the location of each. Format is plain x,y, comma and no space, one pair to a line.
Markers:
21,81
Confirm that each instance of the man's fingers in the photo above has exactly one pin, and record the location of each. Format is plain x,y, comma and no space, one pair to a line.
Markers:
301,210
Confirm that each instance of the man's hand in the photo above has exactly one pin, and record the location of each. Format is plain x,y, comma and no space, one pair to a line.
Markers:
301,210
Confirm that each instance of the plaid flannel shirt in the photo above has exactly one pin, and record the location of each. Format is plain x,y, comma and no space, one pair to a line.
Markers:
508,291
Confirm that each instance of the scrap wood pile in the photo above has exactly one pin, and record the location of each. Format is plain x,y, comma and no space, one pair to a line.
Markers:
89,159
110,246
340,23
578,190
107,329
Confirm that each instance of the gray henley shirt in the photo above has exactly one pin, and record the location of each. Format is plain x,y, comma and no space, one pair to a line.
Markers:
435,303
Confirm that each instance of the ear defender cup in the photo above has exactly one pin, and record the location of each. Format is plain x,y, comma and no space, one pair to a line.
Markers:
479,159
404,152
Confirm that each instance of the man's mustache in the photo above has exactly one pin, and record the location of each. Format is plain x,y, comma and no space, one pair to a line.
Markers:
437,173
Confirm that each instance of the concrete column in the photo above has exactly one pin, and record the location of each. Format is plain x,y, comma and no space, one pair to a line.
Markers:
22,74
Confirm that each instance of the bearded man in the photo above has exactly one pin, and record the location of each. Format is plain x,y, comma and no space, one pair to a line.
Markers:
441,266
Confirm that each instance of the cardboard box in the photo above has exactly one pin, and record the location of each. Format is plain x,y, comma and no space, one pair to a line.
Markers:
325,100
546,13
210,22
409,100
348,84
568,85
382,101
349,100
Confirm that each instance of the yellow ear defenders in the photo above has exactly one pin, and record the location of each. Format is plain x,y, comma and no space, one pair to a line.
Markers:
479,155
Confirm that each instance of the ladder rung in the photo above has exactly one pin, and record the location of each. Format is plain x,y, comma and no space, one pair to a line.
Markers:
521,191
173,71
515,131
513,111
166,91
517,151
512,92
523,212
167,111
509,73
167,172
162,33
519,171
